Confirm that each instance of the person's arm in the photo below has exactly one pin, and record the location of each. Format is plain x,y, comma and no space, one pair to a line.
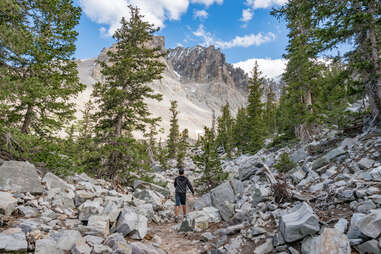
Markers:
175,182
190,186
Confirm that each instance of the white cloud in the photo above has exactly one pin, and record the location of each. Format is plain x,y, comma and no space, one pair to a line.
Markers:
264,4
203,34
271,68
246,41
238,41
200,14
206,2
110,12
247,15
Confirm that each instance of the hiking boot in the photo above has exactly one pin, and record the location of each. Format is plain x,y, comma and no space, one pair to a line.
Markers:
176,219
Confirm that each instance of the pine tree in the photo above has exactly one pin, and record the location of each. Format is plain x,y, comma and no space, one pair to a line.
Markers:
133,64
302,71
240,131
255,112
209,162
359,22
270,111
174,132
121,98
225,130
182,148
38,76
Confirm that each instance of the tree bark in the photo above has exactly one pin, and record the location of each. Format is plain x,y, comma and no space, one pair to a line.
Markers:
27,119
374,86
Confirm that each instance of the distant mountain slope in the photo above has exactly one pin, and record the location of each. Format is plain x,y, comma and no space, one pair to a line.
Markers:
198,78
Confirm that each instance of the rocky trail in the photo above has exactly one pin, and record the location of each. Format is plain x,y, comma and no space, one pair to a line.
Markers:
332,206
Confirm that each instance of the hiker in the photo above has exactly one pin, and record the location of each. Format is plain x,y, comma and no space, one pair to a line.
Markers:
181,183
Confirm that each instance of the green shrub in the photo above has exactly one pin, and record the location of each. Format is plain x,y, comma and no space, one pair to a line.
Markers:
284,164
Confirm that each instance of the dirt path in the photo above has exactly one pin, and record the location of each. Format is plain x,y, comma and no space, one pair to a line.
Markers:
177,243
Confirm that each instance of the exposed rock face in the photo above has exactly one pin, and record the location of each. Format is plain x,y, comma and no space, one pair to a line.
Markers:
202,64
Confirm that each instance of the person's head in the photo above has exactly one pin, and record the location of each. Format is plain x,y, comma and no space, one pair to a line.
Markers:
181,171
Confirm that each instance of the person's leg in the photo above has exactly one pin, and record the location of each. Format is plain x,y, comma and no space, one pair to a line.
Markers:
177,207
184,203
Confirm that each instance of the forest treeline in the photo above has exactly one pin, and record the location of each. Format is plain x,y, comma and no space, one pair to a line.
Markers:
39,79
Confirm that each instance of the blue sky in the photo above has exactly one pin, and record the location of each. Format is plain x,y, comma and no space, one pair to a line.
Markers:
191,22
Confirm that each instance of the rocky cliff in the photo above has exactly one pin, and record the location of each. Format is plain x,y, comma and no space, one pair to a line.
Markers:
202,64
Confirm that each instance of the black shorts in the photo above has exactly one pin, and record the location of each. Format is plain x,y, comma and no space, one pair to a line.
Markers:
180,198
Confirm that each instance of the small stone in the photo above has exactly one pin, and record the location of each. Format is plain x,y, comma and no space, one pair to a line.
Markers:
341,225
369,247
366,163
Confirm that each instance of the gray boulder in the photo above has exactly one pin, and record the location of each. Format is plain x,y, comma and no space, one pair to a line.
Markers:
354,230
118,244
195,221
132,224
66,239
324,160
265,248
150,196
331,241
13,240
366,163
54,182
80,247
27,211
204,201
7,203
140,248
248,169
222,196
90,208
138,184
19,176
47,245
341,225
99,225
370,225
369,247
298,223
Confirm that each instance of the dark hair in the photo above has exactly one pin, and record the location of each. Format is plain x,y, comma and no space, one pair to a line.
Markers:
181,171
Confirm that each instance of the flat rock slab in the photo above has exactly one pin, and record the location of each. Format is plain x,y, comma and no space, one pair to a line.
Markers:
13,240
20,176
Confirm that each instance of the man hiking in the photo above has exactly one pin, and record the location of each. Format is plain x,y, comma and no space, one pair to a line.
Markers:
181,183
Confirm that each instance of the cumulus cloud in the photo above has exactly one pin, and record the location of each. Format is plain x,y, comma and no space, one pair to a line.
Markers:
247,15
264,4
207,2
272,68
239,41
109,13
246,41
200,14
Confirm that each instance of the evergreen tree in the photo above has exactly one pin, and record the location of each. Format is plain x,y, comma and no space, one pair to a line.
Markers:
120,98
225,130
182,148
240,130
38,76
174,132
209,162
255,112
302,71
359,22
270,111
